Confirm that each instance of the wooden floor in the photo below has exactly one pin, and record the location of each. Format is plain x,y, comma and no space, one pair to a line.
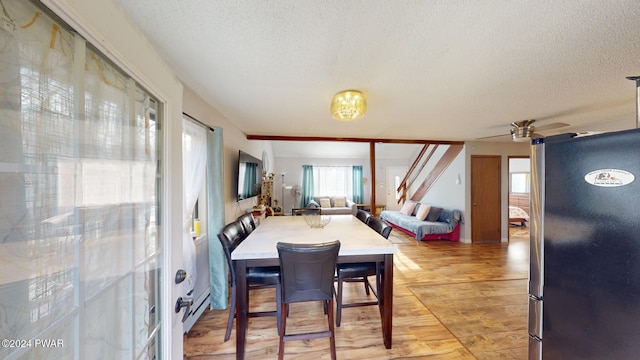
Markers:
451,301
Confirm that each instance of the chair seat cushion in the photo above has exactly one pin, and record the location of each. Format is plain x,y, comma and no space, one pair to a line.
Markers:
349,270
264,275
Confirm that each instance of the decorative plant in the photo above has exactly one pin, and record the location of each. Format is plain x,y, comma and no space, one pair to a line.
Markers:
276,208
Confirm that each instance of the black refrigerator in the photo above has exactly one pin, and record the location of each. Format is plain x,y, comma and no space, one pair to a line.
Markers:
584,279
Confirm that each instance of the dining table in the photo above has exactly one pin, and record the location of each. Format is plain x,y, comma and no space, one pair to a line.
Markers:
358,243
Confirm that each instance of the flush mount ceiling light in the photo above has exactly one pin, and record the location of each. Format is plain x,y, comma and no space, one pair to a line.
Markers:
348,105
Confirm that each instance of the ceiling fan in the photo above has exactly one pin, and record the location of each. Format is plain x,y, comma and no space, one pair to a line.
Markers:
524,130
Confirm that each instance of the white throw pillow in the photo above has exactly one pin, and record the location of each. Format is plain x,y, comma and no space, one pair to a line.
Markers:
408,207
339,202
423,211
325,203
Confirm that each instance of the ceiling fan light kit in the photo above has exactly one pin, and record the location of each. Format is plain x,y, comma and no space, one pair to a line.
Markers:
522,131
522,134
348,105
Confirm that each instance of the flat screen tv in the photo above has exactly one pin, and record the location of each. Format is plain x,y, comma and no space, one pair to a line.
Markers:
249,176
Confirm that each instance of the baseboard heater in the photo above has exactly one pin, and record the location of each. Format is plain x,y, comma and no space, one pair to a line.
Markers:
196,311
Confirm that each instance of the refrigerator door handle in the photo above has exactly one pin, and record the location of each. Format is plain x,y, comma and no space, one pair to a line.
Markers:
535,317
535,328
535,348
536,231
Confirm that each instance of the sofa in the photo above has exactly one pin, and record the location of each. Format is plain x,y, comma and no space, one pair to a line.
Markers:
333,205
443,223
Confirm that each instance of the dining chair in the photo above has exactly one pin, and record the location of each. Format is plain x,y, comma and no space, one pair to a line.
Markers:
248,222
380,226
383,228
257,277
364,216
307,272
360,272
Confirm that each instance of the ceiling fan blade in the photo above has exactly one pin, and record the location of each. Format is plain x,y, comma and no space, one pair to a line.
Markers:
522,126
494,136
552,126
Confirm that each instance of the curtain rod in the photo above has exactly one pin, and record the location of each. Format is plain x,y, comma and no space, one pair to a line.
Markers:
198,121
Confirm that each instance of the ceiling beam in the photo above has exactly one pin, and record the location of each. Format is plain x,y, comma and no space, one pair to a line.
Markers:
364,140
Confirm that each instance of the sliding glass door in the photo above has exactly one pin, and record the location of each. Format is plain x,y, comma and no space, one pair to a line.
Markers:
79,198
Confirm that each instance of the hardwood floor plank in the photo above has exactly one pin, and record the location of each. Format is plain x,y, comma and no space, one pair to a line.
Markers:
451,301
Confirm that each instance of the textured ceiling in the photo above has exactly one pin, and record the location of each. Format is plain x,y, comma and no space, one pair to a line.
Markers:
441,70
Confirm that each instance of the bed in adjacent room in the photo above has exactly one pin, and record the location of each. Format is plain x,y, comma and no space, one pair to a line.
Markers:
518,215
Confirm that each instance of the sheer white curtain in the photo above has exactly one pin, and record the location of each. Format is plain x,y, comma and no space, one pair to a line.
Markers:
80,252
194,161
333,181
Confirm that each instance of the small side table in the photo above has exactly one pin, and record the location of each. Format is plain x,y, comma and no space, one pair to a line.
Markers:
367,207
305,211
380,208
259,214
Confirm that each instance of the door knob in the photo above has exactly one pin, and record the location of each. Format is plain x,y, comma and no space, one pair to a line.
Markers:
184,303
180,276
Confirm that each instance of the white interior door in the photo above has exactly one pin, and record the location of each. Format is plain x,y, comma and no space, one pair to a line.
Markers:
395,174
80,249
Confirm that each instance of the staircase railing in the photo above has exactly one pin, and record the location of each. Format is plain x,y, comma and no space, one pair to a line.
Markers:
414,171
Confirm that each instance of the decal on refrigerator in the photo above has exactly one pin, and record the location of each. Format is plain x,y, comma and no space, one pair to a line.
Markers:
609,177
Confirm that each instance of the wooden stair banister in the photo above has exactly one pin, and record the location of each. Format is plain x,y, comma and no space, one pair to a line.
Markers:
449,155
413,170
424,163
403,188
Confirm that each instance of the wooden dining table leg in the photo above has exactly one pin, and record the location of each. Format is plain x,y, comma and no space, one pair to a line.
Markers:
387,296
242,311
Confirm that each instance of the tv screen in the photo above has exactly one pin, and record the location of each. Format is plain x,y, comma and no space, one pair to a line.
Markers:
249,176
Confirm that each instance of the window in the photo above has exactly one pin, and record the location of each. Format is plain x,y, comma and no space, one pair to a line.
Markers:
520,182
333,181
